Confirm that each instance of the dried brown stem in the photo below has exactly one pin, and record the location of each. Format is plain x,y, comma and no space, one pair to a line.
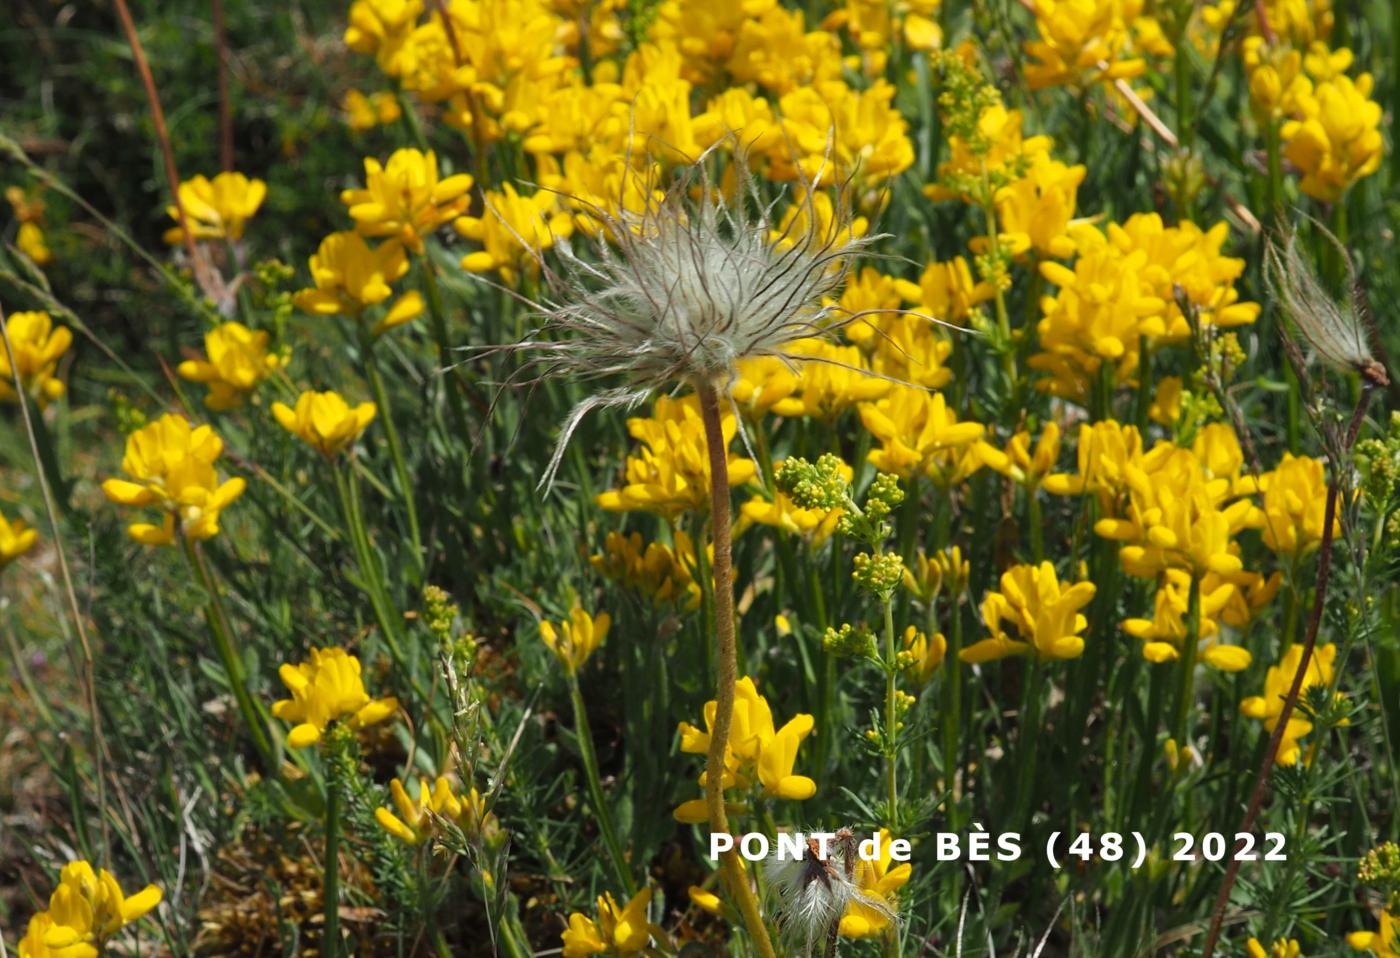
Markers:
1324,571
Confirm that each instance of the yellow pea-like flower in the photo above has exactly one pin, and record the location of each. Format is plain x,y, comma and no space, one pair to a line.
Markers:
325,420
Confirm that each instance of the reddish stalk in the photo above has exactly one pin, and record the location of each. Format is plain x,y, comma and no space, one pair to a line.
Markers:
1324,572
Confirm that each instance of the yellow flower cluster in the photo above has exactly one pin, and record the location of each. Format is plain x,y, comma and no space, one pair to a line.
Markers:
670,474
216,209
171,466
236,361
1083,42
1033,614
616,931
757,753
86,910
38,346
350,276
327,688
417,819
325,420
662,573
920,436
1279,679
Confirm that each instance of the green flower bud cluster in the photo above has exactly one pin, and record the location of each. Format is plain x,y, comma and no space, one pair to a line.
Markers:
880,573
850,641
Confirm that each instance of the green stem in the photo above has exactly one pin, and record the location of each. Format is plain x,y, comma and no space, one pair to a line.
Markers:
891,720
376,383
217,621
587,752
451,381
952,710
1037,532
1184,694
1027,744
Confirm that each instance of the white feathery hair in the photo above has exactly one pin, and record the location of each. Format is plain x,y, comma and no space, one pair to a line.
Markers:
682,289
808,895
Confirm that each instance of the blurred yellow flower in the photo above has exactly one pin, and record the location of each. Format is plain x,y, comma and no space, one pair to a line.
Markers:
670,474
921,655
947,291
1042,615
366,112
838,133
1337,139
1025,465
405,199
578,638
1279,679
830,379
172,465
1083,42
236,360
217,208
327,688
85,911
325,420
660,572
1295,500
380,28
38,346
30,241
775,50
618,930
514,230
351,276
1282,948
16,539
876,880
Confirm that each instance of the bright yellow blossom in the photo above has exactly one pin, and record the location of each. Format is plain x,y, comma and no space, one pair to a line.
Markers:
1295,502
217,208
877,880
670,474
16,539
236,360
416,820
1165,634
775,50
325,420
922,655
1035,210
1105,452
351,276
171,465
85,911
1007,152
919,435
947,291
1043,616
1383,943
38,346
839,132
760,382
327,688
1025,465
405,199
1083,42
1282,948
830,379
575,640
514,230
1277,682
1338,140
618,931
381,28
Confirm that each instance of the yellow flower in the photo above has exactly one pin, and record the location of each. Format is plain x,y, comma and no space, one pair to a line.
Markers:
405,199
670,474
1006,152
830,379
576,639
1276,79
366,112
1105,452
660,572
514,229
16,539
325,420
32,945
87,909
839,132
1082,42
947,291
618,931
760,383
756,751
1165,634
30,241
1384,943
1282,948
1043,615
327,688
1165,408
381,28
217,208
38,346
922,656
775,50
1338,140
920,435
1034,211
1295,502
236,360
1023,465
416,821
172,465
1095,318
737,113
350,277
1279,679
875,879
705,900
913,350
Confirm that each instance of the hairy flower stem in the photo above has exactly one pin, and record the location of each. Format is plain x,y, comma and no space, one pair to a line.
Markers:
589,755
1324,572
376,384
217,620
727,655
891,719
